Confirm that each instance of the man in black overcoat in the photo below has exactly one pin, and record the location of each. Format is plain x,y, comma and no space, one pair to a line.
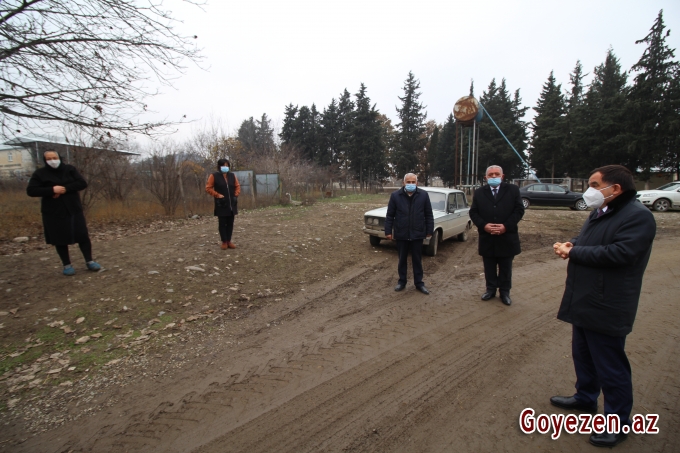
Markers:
409,220
604,278
496,210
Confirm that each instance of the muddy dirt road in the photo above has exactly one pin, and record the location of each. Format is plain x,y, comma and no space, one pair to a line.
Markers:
335,360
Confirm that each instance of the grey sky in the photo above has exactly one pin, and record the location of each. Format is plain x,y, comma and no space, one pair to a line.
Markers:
263,55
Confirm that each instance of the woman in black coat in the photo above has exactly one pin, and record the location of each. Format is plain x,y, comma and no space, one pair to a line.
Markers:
223,185
62,212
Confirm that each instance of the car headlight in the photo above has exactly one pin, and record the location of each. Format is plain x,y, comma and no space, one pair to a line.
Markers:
647,195
376,221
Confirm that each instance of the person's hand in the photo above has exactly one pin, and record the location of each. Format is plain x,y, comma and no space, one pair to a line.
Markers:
494,228
59,190
388,236
489,228
563,249
429,236
501,228
220,196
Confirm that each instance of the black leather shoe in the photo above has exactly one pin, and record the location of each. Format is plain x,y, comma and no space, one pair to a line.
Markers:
423,290
506,299
488,295
399,287
569,402
607,440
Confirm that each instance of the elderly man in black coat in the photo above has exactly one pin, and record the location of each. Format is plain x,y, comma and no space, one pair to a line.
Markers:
496,210
409,220
604,278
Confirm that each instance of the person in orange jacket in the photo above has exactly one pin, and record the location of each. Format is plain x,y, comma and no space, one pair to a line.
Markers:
224,187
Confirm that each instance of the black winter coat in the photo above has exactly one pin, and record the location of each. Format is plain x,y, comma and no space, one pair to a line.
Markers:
410,217
606,265
507,209
63,219
227,206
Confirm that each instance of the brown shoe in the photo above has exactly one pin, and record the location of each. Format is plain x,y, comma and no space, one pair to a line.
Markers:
231,245
224,246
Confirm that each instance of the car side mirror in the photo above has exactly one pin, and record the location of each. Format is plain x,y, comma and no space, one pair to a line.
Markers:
566,190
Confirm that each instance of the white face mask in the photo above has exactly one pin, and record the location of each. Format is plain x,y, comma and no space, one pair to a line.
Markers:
53,163
594,198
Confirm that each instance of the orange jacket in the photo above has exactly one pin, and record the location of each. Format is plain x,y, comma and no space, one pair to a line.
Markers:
210,186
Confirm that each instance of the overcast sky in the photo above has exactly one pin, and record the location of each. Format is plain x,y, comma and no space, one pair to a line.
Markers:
262,55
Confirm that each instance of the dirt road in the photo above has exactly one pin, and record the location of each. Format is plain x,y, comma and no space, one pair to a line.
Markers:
346,364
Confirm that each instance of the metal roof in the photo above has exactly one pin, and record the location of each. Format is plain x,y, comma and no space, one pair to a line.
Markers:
28,139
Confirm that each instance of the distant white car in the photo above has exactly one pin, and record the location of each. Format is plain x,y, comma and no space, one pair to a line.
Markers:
662,199
451,219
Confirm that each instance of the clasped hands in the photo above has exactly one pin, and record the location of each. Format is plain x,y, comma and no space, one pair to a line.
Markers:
58,190
495,228
562,249
389,236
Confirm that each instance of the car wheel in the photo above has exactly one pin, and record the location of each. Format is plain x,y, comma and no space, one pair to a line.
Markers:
431,249
374,240
661,205
526,203
463,237
581,205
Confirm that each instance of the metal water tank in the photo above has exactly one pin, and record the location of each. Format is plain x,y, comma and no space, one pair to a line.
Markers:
467,109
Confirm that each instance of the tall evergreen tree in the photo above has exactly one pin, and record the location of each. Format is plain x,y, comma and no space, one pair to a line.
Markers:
652,112
247,135
345,122
549,132
445,152
411,128
367,156
602,133
432,150
289,123
264,136
508,114
330,135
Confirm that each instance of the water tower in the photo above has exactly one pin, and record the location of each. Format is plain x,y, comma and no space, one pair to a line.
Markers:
467,112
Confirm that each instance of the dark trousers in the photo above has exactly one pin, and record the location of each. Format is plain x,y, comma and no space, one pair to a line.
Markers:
85,247
225,225
416,248
498,273
601,364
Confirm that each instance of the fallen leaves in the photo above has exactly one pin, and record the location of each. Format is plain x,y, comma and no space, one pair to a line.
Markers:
83,340
80,320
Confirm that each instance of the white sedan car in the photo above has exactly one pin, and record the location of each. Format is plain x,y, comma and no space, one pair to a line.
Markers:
662,199
451,219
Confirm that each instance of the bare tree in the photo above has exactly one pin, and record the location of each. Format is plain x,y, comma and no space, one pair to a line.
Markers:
163,174
89,63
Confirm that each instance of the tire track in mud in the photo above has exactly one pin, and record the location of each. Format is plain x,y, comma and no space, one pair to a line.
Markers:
347,342
379,372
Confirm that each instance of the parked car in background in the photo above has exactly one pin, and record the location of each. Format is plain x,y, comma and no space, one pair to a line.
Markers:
551,195
451,219
662,199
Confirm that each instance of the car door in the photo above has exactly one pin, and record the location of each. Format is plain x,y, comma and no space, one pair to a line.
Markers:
462,213
558,196
675,196
539,194
449,222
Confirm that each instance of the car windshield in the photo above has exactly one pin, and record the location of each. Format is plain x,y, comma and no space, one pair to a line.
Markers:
669,186
438,201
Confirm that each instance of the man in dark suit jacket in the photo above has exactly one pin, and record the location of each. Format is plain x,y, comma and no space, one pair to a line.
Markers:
496,210
409,220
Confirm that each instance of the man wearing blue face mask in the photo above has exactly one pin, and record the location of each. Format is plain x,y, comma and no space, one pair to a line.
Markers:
409,220
496,210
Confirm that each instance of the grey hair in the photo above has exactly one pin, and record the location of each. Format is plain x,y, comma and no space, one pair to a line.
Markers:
410,174
493,166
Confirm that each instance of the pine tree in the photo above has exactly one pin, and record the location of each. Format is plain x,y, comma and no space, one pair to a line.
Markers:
574,150
507,112
445,153
289,123
411,128
367,156
432,149
652,111
345,122
247,135
330,135
602,134
264,136
549,132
